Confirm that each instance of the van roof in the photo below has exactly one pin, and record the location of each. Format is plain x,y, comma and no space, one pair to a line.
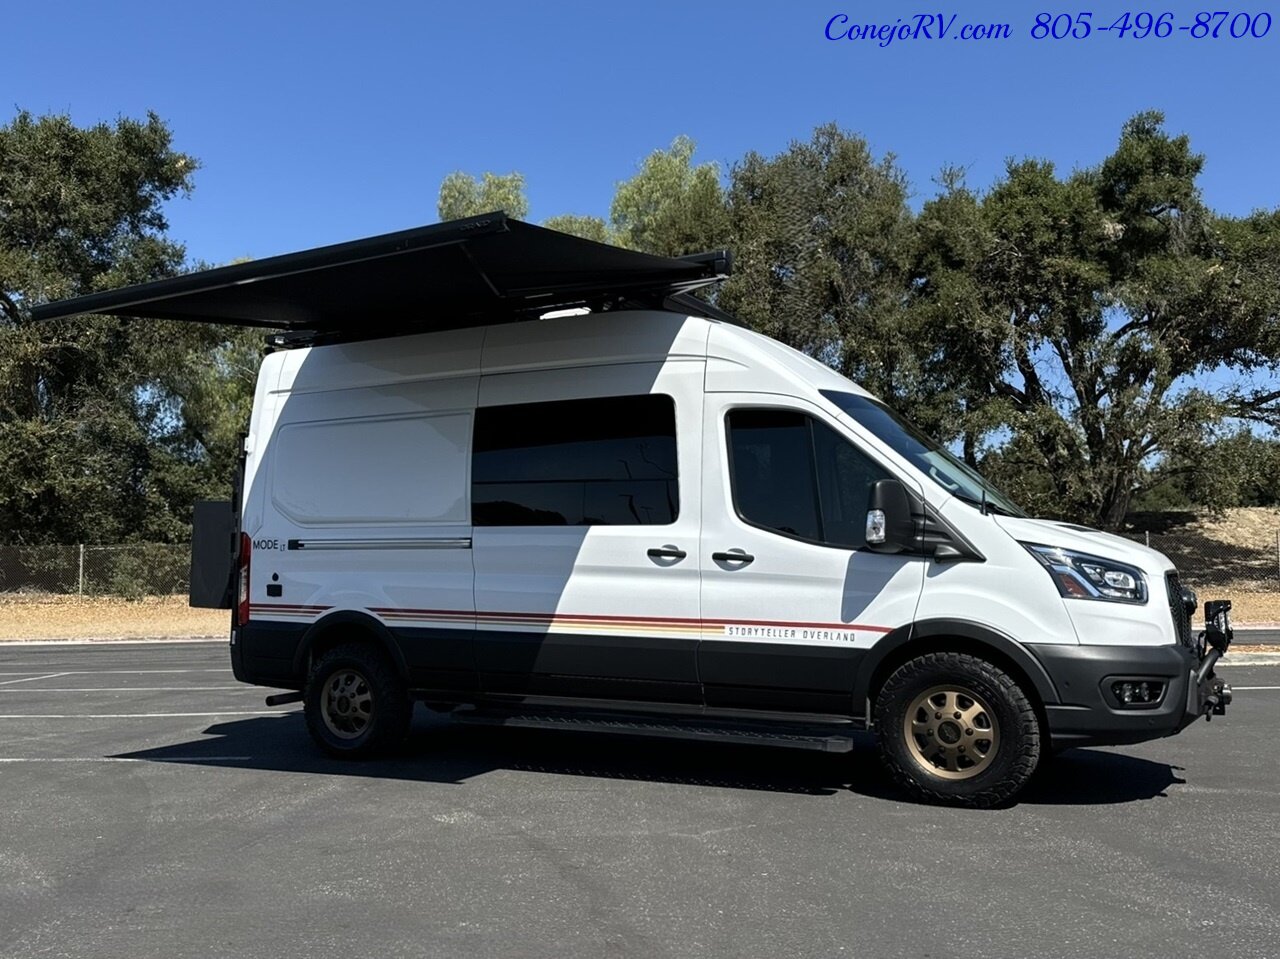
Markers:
477,271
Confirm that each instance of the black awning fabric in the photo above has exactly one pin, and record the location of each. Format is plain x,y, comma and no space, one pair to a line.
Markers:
443,276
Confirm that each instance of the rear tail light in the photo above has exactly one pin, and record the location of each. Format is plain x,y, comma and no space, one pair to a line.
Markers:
242,580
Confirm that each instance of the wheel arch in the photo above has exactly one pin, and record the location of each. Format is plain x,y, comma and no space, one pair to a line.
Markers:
346,626
951,635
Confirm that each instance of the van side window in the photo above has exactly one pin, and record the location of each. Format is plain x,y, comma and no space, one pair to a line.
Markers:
797,476
771,453
608,461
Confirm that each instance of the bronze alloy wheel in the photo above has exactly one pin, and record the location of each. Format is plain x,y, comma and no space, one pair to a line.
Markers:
951,732
355,702
347,704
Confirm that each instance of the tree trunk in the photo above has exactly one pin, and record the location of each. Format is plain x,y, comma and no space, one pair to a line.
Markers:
1115,505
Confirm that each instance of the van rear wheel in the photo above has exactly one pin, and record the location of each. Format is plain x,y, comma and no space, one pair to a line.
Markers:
355,704
956,729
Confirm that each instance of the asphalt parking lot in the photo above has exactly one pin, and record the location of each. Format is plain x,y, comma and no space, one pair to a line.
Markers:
150,806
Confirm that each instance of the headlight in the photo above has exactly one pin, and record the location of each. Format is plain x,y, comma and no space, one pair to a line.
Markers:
1081,576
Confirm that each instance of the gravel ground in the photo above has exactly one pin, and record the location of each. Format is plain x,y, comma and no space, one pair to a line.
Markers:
67,617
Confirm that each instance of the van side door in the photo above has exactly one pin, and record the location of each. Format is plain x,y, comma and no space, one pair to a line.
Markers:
585,503
791,599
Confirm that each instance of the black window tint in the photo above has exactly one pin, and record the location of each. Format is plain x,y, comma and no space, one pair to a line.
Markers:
799,477
845,476
773,483
609,461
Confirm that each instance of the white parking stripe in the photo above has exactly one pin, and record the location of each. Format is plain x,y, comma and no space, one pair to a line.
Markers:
120,759
124,689
118,672
1237,688
30,679
240,712
120,641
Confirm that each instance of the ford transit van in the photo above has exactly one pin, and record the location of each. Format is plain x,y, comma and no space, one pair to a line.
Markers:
654,520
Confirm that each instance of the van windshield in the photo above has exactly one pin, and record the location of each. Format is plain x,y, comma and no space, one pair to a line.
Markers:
929,456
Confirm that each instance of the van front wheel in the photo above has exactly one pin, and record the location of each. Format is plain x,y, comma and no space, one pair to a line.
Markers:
355,704
956,729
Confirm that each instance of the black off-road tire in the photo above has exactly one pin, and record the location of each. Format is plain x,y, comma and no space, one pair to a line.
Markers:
1016,752
375,677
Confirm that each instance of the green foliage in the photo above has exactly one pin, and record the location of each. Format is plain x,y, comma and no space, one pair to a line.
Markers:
94,443
671,207
81,207
1061,329
136,571
1078,312
587,227
821,236
461,195
1239,468
1056,327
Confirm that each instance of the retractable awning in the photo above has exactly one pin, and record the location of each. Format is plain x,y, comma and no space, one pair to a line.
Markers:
448,275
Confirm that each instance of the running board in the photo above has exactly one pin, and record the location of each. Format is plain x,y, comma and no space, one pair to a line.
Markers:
740,734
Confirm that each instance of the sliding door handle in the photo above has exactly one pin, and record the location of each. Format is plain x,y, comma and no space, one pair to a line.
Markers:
667,552
734,556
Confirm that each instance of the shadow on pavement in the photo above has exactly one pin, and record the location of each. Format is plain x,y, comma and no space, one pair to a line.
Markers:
1097,777
441,751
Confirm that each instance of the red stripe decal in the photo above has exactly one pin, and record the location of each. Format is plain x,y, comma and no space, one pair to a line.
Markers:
535,619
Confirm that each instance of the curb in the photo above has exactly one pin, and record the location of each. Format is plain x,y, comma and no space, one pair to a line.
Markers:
1250,659
113,640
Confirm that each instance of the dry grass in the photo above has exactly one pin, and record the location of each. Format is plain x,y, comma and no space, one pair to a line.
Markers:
1251,609
66,617
1244,524
1229,554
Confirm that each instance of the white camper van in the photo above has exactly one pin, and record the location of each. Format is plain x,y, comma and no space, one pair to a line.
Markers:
643,517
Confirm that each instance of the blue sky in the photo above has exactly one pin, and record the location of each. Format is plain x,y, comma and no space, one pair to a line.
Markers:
321,122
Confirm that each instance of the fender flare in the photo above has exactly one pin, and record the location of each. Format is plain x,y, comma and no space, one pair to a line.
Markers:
973,634
350,617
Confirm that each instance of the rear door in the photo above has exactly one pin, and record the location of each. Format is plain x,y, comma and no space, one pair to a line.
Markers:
585,506
790,599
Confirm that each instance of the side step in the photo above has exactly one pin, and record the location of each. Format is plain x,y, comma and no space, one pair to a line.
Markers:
753,734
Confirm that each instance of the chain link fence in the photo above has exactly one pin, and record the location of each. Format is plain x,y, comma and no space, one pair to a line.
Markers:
132,570
1251,565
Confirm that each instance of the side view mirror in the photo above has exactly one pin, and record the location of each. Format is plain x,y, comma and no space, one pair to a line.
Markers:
890,528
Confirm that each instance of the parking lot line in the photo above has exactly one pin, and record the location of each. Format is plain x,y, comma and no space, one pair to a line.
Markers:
29,679
123,689
120,759
1234,688
114,672
238,712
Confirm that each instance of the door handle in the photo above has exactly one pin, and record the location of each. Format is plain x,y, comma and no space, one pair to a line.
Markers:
666,552
733,556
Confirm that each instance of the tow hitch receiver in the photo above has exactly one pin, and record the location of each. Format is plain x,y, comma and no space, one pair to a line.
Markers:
1216,640
1218,700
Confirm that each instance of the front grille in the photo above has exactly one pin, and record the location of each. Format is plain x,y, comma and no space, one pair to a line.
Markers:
1181,621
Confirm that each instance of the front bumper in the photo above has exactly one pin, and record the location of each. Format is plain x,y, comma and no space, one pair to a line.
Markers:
1090,710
